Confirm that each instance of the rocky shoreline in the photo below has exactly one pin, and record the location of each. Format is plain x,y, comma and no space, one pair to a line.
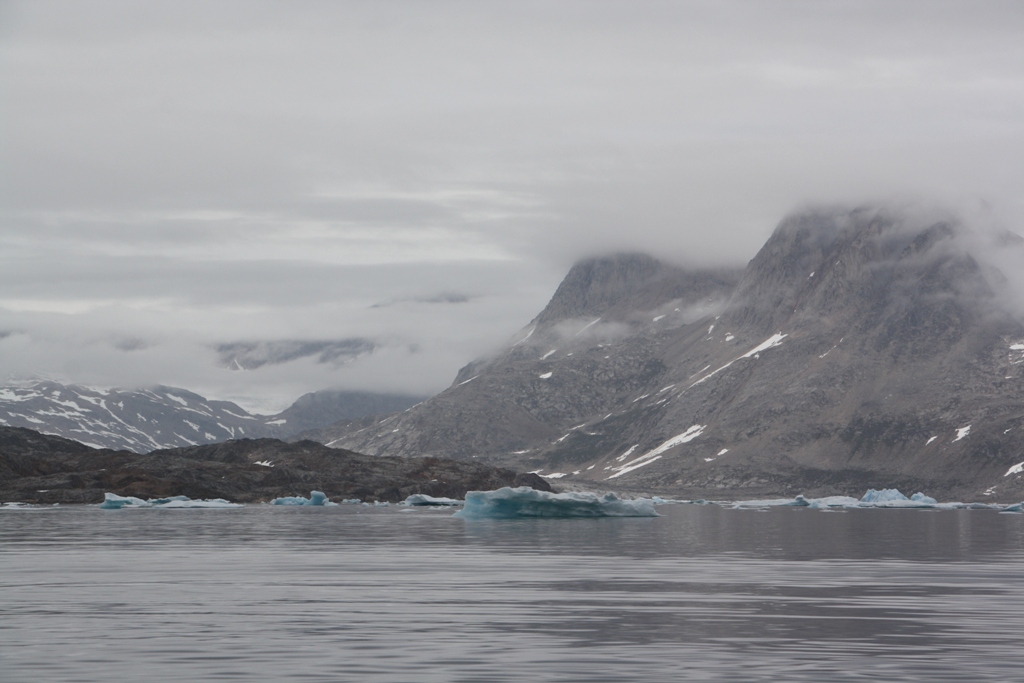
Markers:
43,469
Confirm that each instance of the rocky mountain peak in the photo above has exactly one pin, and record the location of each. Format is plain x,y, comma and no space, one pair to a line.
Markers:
614,286
834,265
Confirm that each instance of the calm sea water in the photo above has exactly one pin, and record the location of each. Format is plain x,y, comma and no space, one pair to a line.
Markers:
356,594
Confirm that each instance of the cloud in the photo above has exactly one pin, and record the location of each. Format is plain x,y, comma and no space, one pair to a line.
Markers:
182,175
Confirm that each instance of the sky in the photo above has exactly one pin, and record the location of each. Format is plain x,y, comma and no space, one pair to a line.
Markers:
253,200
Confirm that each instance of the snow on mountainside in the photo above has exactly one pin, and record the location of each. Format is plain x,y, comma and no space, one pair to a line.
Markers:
165,417
141,420
858,347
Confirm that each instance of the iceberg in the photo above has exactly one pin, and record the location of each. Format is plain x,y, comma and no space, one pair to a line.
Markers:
882,496
316,499
1019,507
508,503
420,499
113,501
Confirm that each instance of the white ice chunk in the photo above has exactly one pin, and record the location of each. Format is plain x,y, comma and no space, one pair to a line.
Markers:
507,503
114,502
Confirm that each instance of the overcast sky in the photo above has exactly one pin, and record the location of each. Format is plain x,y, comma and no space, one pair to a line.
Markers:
368,195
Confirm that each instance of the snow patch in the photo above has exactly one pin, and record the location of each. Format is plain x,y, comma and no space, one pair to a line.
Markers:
961,433
509,503
264,463
656,453
1016,469
657,318
177,399
930,440
548,354
467,381
546,375
276,422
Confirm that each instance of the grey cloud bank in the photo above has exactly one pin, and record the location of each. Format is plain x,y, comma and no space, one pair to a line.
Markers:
177,178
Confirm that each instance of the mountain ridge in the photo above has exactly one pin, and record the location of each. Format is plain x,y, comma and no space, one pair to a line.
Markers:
851,339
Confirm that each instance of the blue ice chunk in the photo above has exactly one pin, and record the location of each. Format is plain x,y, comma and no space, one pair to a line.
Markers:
921,498
506,503
418,499
316,498
1019,507
112,501
351,501
882,496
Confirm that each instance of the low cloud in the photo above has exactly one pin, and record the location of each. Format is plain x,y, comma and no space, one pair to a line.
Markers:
252,355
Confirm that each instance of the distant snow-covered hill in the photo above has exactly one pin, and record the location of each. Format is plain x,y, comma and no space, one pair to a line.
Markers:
160,417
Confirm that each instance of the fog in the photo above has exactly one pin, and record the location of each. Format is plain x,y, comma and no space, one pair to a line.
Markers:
410,181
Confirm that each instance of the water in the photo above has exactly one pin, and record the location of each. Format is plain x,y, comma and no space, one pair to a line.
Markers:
356,594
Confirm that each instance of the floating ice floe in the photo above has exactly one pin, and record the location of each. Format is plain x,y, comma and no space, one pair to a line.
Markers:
884,498
113,501
316,498
507,503
421,499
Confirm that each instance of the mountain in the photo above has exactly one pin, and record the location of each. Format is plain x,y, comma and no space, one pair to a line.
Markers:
38,468
165,417
858,348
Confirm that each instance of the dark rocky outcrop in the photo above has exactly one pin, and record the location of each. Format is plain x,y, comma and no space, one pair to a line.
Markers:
37,468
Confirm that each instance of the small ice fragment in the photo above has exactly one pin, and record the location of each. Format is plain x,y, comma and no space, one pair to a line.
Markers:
507,503
351,501
421,499
316,499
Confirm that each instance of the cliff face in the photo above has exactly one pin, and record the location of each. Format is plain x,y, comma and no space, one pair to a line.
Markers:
857,348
